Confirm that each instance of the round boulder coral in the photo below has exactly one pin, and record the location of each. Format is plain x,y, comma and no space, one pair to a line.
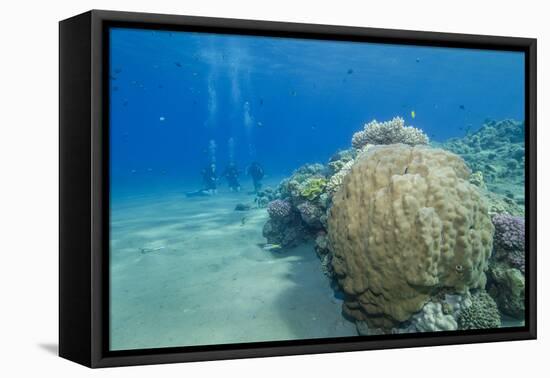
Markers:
406,224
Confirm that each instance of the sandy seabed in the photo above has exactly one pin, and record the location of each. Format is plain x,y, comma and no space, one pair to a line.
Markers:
205,279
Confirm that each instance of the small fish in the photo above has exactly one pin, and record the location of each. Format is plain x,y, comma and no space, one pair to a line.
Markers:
293,93
125,103
178,64
118,70
149,250
261,101
243,221
271,247
260,124
161,119
133,171
350,71
195,74
413,114
417,60
115,88
462,107
160,86
112,77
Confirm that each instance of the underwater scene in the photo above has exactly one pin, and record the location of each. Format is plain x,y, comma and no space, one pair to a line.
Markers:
274,189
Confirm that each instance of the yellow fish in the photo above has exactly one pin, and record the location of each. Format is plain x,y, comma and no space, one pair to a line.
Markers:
413,114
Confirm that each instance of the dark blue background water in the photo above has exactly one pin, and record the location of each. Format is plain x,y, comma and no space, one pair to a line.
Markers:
284,101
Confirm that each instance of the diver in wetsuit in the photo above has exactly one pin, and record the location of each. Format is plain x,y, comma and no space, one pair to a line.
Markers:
231,174
209,182
256,171
209,179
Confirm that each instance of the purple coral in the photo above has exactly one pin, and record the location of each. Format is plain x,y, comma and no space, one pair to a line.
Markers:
279,209
509,239
310,213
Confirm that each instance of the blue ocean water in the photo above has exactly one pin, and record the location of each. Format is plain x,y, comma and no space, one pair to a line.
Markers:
283,102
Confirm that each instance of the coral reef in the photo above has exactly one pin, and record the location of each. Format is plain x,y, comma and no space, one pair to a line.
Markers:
405,224
482,313
500,204
497,150
389,132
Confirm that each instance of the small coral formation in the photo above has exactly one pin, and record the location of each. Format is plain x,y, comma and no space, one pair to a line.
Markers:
389,132
299,208
279,209
506,275
242,207
263,197
507,286
313,188
481,314
433,318
509,239
497,150
477,179
440,315
311,214
405,224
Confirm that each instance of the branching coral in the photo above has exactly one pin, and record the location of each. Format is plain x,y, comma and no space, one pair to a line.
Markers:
405,224
388,132
482,313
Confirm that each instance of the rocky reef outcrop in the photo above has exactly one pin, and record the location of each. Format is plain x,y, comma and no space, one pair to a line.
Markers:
497,151
415,240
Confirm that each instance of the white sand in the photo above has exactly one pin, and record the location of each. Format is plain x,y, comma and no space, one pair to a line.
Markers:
210,283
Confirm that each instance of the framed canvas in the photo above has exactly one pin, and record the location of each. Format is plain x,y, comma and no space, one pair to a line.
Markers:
235,188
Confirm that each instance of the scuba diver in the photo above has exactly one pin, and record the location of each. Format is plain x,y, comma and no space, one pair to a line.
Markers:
231,174
256,171
209,179
209,182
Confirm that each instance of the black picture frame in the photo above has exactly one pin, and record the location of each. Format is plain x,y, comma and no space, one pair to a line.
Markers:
84,188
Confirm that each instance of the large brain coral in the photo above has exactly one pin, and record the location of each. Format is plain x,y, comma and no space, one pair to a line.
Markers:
405,224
